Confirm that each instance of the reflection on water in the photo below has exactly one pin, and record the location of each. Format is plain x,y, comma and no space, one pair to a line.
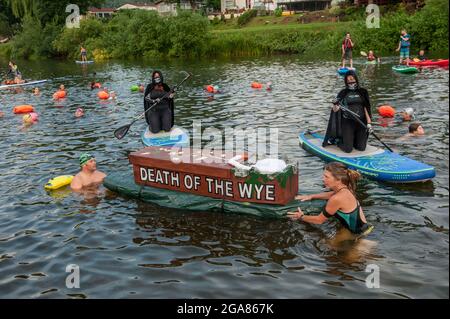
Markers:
130,249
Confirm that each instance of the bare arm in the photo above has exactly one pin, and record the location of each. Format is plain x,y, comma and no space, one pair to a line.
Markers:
324,196
76,184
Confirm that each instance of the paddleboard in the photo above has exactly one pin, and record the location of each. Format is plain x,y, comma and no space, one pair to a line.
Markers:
375,163
5,86
405,69
84,62
176,136
343,71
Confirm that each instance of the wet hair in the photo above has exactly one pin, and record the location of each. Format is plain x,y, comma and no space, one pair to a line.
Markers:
413,127
347,176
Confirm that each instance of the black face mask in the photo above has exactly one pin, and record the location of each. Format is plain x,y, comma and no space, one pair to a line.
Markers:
157,80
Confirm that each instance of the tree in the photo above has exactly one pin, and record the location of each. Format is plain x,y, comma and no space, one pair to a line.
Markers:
47,10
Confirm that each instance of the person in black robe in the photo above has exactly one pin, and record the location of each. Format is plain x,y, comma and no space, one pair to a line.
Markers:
343,130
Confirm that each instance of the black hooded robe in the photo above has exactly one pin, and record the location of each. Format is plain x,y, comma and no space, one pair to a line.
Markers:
148,104
334,128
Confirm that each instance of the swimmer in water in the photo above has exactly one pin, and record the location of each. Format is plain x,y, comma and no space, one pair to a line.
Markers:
89,176
341,201
79,112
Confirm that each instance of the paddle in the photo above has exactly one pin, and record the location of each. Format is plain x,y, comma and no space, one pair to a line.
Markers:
123,130
363,53
356,117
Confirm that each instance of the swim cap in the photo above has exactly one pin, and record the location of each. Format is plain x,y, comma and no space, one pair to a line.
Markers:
409,111
84,158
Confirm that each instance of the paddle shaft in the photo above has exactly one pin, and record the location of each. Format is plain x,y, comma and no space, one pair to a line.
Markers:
356,117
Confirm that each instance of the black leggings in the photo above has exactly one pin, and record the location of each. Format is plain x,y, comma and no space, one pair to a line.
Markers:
160,120
353,136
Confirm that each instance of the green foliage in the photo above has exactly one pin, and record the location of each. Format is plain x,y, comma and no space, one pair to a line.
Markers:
246,17
35,41
68,42
429,27
188,34
278,12
335,10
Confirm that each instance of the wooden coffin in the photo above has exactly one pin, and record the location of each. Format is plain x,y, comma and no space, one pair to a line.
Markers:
209,174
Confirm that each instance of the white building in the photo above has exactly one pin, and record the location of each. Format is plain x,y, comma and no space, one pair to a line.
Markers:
241,5
129,6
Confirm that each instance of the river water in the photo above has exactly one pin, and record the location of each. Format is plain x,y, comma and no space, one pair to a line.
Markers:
129,249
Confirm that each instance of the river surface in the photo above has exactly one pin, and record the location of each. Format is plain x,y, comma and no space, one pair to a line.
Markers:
129,249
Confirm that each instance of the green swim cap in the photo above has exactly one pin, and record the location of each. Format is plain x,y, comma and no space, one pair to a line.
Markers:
84,158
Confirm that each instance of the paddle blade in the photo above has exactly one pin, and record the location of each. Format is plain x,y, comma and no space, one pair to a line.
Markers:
121,131
363,53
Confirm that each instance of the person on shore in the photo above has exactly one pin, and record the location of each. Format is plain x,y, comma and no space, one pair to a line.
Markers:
343,129
89,176
161,116
83,52
347,48
341,201
372,57
403,46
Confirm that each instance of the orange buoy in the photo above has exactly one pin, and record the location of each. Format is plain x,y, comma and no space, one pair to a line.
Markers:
103,95
59,94
256,85
386,111
210,88
23,109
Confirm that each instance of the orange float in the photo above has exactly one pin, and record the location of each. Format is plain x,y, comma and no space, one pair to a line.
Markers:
59,95
210,88
386,111
23,109
103,95
256,85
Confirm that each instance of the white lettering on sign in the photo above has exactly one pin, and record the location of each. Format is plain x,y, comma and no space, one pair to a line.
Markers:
160,177
270,192
245,190
188,182
196,182
175,178
259,189
229,189
215,186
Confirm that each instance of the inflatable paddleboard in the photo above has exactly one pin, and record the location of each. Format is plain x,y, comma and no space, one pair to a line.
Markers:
405,69
375,163
5,86
343,71
84,62
176,136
